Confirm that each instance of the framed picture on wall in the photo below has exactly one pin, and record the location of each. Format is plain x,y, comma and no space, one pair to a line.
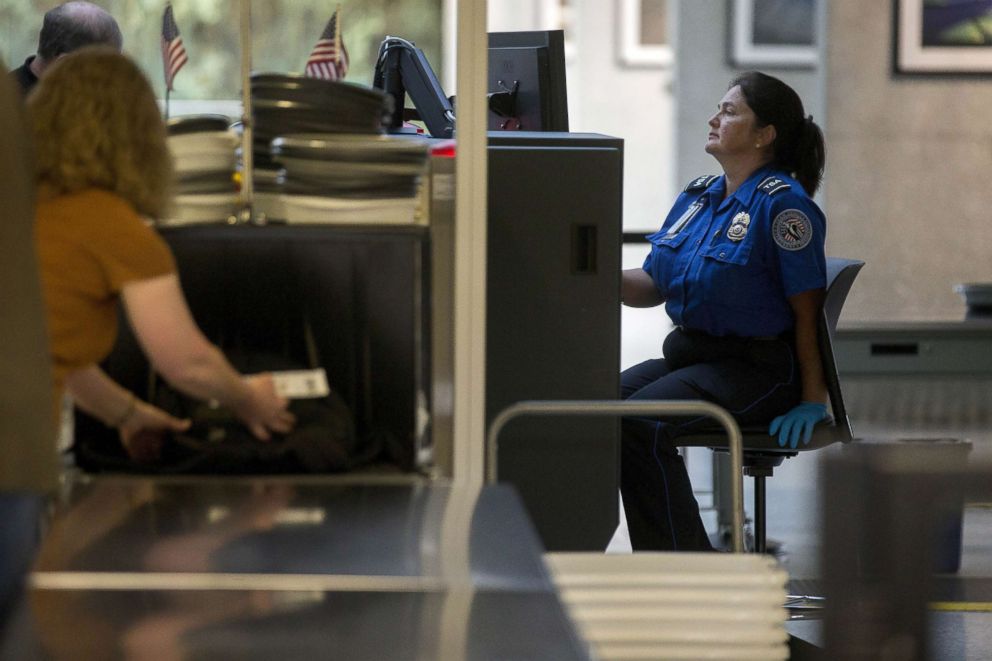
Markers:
644,33
773,33
943,36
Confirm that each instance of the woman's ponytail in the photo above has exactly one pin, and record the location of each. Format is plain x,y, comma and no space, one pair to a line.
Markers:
810,156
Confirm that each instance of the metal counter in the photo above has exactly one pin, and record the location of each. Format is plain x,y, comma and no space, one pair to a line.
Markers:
247,568
917,377
908,348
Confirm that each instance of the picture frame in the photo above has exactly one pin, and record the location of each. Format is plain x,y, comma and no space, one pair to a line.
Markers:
951,37
773,34
644,33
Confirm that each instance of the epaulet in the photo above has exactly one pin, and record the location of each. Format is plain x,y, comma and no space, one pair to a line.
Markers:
772,185
701,183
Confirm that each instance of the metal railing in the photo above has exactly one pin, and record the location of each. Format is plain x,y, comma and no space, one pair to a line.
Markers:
653,408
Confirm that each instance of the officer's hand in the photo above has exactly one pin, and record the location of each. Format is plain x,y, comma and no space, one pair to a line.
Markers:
797,423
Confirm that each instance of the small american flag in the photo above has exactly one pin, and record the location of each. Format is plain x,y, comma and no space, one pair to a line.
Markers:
173,51
329,58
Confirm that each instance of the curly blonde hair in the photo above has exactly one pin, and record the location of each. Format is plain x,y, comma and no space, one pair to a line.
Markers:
96,125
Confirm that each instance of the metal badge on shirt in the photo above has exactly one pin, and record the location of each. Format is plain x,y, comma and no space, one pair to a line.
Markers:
686,216
792,230
738,226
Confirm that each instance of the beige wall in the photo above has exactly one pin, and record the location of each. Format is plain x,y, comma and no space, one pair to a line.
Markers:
909,179
702,74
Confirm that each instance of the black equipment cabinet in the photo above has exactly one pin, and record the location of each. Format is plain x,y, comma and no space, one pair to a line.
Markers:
553,324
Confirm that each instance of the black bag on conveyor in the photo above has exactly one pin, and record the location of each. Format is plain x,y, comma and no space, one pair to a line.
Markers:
324,439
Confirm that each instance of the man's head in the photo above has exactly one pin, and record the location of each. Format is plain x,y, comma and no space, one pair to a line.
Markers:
73,25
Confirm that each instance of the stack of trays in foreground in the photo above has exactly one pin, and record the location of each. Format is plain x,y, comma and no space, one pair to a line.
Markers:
204,152
348,178
675,605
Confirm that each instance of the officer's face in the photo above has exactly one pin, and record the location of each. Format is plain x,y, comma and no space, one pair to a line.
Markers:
733,126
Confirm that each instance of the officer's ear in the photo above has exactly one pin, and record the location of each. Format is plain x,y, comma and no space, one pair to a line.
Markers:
767,134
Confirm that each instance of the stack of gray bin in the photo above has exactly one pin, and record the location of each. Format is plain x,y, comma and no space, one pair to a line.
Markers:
321,155
204,153
350,178
686,606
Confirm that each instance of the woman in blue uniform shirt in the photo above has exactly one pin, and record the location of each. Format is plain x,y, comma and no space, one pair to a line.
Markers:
739,263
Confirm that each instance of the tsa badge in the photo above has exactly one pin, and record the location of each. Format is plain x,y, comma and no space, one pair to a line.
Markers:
792,230
738,226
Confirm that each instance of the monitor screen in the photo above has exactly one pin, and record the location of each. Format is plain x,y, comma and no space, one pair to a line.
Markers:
527,89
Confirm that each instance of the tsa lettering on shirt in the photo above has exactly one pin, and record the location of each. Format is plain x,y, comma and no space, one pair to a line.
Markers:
728,266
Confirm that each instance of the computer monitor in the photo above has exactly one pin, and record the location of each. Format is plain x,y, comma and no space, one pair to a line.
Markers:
527,89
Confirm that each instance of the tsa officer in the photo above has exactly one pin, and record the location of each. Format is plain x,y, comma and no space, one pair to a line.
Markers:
739,263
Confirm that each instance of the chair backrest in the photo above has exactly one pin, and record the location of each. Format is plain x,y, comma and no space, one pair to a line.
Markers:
840,276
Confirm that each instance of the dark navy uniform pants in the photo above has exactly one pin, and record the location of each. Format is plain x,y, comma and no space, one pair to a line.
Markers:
755,379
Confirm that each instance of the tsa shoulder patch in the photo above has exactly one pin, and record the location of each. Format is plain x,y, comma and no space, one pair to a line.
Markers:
792,230
701,183
772,185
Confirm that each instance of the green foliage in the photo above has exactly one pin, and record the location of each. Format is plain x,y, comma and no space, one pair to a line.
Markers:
284,31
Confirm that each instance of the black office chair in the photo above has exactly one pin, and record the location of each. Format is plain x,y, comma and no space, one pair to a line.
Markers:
761,451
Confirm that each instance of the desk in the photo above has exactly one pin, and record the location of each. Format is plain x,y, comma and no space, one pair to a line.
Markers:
917,377
914,348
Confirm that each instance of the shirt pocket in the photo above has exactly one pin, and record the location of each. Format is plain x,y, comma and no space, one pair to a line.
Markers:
730,278
664,240
736,254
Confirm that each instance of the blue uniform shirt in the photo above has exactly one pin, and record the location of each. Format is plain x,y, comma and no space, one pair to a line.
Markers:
728,266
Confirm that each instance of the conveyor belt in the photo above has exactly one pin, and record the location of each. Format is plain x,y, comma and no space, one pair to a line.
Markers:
250,569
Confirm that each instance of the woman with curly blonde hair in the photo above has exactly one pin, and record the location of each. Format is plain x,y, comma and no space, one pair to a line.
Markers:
97,125
102,163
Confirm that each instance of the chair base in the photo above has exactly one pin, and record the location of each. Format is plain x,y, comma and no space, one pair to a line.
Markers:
760,466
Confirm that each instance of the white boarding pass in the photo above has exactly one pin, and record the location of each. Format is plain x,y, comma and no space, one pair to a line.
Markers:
301,384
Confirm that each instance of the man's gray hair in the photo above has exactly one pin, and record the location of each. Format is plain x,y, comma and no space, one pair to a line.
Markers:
75,24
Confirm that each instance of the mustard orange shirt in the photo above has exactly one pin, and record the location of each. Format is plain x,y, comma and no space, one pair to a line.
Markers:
90,245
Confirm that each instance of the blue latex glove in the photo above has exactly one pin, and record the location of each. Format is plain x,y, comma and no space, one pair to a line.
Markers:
797,423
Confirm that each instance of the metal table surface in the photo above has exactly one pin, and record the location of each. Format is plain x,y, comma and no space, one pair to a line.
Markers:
299,569
928,378
907,348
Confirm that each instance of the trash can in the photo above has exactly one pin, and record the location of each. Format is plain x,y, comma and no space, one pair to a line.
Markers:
944,459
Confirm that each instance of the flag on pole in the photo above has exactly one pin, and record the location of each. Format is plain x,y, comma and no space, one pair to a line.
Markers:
329,57
173,51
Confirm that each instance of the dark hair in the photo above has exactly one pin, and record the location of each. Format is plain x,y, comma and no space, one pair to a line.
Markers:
72,25
798,145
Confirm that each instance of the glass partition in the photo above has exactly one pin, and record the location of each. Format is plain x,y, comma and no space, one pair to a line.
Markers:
284,33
